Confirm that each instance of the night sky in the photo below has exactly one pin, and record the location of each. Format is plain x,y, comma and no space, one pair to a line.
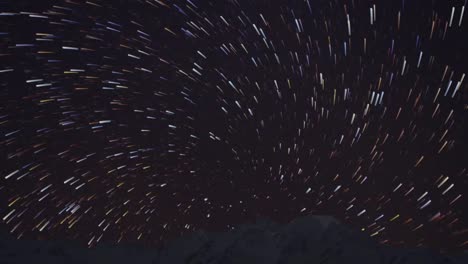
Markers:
141,120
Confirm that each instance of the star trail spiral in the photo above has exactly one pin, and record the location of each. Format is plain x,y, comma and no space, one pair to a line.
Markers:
141,120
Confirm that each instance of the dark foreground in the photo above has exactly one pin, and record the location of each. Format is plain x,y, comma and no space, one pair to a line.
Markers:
311,239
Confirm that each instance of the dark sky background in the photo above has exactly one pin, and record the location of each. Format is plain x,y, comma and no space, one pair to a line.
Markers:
138,121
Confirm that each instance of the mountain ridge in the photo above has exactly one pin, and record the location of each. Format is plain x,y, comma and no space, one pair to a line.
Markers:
309,239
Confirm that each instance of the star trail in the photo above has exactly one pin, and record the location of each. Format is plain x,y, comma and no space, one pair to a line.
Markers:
142,120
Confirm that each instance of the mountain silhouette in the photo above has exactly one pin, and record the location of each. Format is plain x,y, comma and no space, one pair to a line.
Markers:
310,239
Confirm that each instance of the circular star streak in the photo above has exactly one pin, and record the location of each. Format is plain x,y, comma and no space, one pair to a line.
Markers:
142,120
